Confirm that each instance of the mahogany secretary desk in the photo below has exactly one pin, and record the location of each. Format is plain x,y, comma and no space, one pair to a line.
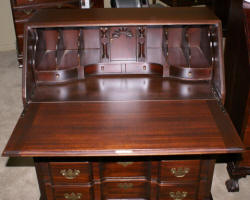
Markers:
124,103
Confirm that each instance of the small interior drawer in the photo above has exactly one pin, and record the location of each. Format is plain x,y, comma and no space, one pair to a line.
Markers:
73,192
102,69
125,190
179,170
124,169
70,173
177,191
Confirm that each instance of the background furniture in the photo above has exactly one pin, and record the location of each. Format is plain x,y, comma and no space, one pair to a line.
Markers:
129,3
22,10
237,82
220,8
130,101
184,2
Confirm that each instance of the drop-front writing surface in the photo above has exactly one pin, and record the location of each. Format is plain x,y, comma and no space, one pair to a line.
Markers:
120,106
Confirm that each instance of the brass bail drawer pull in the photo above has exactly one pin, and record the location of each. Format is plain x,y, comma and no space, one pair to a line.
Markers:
125,164
73,196
180,171
70,173
125,185
178,195
27,11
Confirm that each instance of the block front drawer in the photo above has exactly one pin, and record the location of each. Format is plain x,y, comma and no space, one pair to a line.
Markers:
73,193
111,178
180,170
177,191
70,173
125,169
125,190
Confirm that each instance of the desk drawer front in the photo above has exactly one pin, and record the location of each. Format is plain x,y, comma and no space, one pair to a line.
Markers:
130,179
73,193
125,190
177,192
180,170
125,169
70,173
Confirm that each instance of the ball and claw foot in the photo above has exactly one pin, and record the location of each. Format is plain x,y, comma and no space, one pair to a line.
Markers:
232,185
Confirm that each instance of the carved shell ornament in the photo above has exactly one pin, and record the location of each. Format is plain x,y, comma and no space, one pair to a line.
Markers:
122,30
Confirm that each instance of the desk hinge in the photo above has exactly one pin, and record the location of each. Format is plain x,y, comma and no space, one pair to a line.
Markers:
218,99
25,108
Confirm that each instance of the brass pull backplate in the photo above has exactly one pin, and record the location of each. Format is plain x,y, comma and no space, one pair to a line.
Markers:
125,185
73,196
70,173
180,171
178,195
125,164
27,11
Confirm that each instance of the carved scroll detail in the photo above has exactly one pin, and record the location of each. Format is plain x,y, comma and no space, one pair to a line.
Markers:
141,42
104,41
122,30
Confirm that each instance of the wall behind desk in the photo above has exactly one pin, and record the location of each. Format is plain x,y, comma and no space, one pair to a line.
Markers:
7,31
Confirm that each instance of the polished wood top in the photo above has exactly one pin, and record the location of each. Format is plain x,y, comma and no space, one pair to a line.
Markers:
123,128
124,16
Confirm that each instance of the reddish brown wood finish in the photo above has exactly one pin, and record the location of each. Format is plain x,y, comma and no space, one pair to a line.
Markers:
238,95
84,176
125,170
193,173
112,88
112,17
46,129
103,116
126,185
22,11
69,53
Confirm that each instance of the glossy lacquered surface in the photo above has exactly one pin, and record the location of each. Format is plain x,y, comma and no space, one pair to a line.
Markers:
177,43
123,128
126,178
113,88
124,104
23,10
238,82
112,16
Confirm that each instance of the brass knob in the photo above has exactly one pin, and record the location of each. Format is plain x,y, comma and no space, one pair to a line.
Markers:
73,196
178,195
57,75
70,173
180,171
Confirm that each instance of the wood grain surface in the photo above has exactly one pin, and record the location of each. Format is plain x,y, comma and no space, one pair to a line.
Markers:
122,128
124,16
